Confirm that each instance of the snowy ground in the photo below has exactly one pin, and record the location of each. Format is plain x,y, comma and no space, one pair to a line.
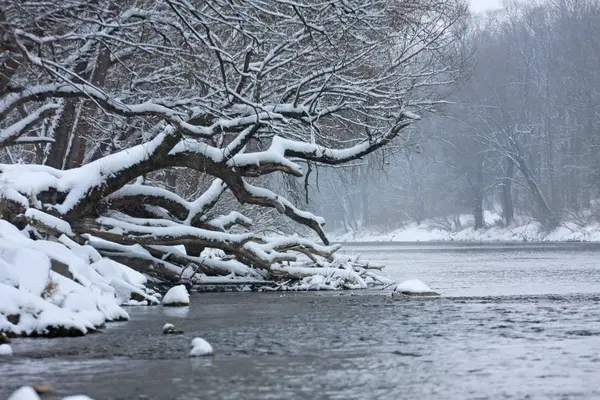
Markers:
523,230
61,288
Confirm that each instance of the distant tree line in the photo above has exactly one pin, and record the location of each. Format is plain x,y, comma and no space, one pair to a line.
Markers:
520,135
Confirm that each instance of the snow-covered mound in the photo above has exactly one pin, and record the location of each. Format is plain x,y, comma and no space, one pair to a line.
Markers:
201,347
6,350
170,329
24,393
414,287
28,393
177,296
58,288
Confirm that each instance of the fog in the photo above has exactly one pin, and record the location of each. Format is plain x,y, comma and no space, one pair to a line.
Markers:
519,135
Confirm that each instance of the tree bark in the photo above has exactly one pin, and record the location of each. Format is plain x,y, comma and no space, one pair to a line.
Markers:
508,212
478,196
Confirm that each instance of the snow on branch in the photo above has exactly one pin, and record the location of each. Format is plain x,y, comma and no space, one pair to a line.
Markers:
11,135
232,91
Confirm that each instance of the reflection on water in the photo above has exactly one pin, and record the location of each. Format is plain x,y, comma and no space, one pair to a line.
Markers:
515,324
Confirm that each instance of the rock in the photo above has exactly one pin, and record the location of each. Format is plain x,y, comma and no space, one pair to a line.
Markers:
169,329
14,318
137,297
413,287
177,296
4,339
41,389
201,347
61,331
5,350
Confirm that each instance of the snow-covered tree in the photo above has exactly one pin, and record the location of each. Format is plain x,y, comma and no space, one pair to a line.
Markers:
121,110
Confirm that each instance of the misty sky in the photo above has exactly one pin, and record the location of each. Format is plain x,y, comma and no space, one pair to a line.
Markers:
483,5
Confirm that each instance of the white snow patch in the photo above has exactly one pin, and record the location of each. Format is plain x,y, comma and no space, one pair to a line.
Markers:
88,294
524,229
201,347
168,326
24,393
176,295
413,286
5,350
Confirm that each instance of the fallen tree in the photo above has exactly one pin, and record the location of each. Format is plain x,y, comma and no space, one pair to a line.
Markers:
99,97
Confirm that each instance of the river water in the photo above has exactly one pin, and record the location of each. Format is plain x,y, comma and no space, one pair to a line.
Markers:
515,321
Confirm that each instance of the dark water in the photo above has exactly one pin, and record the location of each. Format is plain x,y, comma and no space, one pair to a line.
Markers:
520,322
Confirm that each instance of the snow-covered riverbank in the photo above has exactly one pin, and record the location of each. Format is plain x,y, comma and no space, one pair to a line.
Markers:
524,229
61,288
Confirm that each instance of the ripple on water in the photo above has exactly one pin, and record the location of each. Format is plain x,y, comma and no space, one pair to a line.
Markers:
333,348
514,323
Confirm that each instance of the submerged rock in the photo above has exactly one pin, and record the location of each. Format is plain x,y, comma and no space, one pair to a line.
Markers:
177,296
413,287
170,329
201,347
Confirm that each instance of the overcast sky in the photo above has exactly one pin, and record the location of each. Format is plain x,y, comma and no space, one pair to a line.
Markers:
484,5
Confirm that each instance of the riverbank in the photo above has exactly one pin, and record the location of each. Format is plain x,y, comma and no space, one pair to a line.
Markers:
523,230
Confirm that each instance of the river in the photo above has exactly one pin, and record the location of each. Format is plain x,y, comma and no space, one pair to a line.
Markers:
515,321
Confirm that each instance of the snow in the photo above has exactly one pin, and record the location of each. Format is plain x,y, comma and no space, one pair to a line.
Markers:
34,267
413,286
123,227
24,393
5,350
201,347
88,291
523,230
36,315
167,326
177,295
51,221
28,393
20,127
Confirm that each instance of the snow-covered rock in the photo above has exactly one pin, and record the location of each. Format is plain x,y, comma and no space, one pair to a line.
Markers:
6,350
177,296
23,313
201,347
414,287
61,287
29,393
24,393
170,329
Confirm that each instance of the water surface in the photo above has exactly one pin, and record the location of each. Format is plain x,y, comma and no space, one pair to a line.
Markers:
514,322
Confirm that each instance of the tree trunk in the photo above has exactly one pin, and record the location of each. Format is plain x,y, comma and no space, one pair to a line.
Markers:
508,212
62,134
544,213
83,128
478,197
64,129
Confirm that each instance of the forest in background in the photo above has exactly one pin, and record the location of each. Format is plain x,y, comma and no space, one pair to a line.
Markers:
518,136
